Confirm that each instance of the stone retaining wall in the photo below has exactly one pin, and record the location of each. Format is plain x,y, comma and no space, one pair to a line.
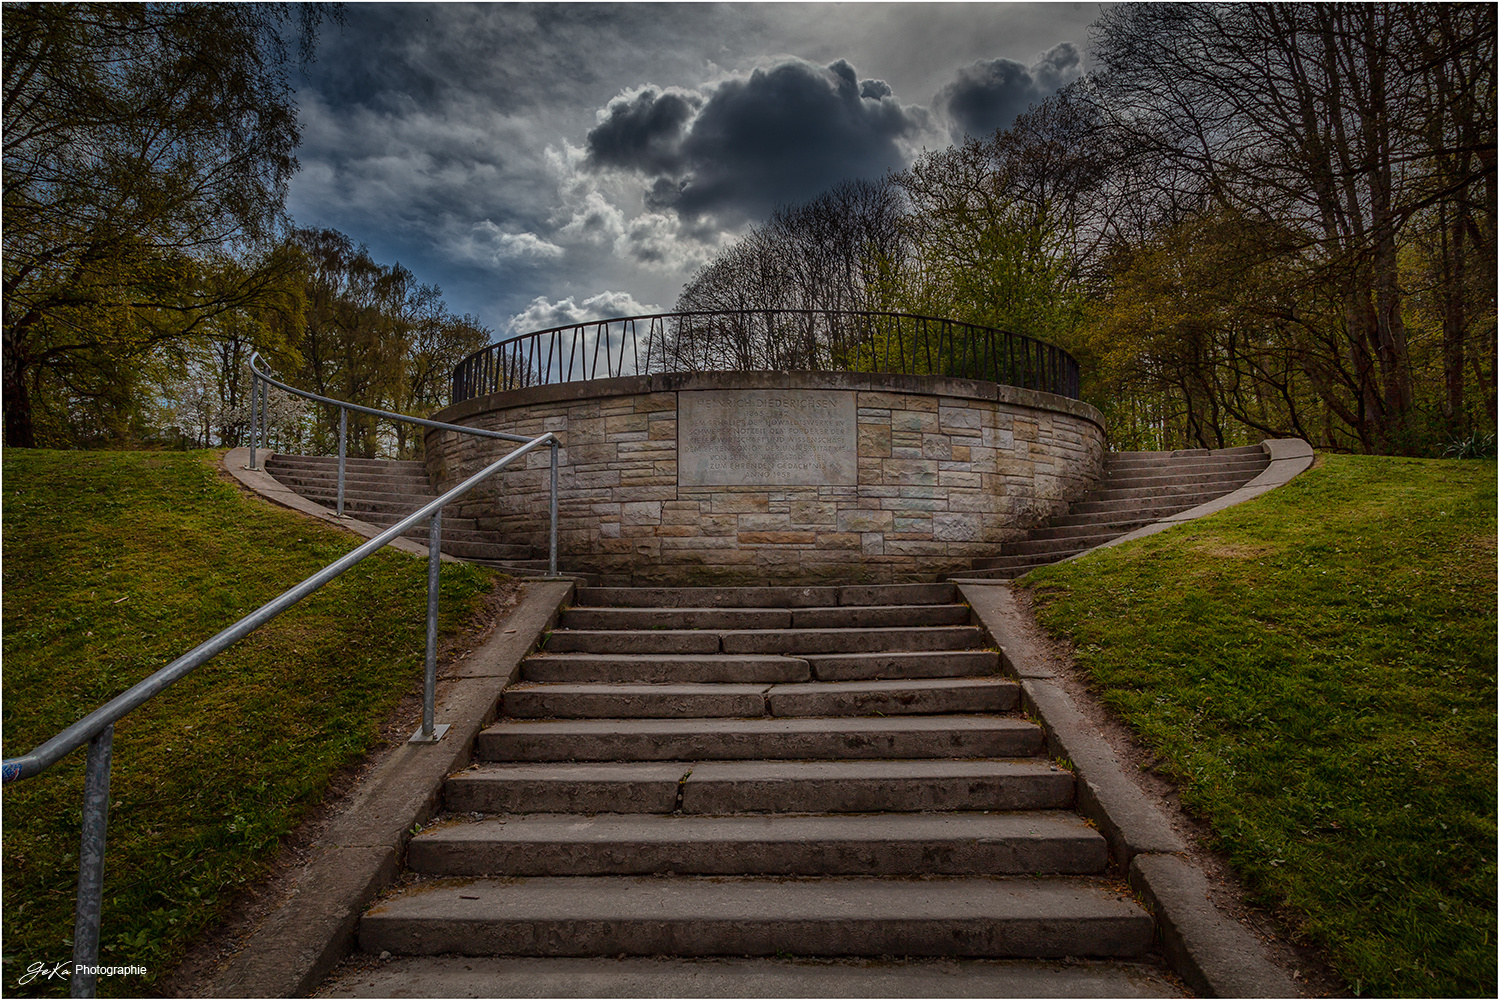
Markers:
931,474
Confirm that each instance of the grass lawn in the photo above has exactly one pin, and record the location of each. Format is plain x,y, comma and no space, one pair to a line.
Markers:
116,563
1317,669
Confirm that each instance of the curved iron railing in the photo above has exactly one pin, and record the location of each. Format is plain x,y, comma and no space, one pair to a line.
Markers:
766,340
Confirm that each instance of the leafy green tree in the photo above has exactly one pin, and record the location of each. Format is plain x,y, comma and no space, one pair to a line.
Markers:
147,149
1343,128
373,334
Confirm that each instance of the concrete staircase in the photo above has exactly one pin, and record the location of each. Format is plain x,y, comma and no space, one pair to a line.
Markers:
808,771
383,491
1138,488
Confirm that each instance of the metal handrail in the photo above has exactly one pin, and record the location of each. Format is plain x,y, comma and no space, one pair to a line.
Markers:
97,728
259,380
747,340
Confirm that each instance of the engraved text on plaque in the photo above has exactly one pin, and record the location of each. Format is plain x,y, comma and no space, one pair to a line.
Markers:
775,437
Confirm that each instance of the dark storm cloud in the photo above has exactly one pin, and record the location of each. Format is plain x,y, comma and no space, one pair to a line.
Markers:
989,94
455,137
782,134
643,132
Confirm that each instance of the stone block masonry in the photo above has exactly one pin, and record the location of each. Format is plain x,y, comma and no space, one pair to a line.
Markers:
773,477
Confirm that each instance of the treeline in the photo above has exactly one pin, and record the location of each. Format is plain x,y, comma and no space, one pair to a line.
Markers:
147,252
1254,220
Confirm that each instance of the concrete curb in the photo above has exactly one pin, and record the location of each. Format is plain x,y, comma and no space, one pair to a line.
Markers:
1289,456
1215,955
359,853
1212,954
236,462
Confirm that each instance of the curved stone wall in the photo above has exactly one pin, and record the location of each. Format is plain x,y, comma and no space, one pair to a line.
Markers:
775,477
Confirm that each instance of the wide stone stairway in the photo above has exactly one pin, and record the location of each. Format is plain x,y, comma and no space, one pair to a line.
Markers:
767,771
383,491
1138,488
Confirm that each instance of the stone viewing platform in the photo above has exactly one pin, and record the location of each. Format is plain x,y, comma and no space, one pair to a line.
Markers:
731,477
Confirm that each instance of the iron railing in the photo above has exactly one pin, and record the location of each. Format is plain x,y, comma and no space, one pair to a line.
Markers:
97,728
766,340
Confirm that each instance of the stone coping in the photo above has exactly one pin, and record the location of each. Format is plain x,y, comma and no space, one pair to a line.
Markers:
237,464
683,382
1289,457
1213,954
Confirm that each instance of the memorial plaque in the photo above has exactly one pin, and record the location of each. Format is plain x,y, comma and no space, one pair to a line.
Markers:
766,437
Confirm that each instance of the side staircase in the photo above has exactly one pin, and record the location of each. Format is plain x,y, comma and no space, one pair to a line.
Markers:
796,771
1138,488
383,491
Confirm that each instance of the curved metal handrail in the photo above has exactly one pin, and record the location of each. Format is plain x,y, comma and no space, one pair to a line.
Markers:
746,340
260,379
97,728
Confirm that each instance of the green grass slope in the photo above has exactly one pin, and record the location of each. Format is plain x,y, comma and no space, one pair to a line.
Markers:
116,563
1317,668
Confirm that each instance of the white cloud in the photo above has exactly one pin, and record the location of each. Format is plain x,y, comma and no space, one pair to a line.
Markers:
543,315
487,243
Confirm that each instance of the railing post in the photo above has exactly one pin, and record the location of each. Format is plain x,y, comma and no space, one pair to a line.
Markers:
343,435
91,863
552,532
431,733
254,387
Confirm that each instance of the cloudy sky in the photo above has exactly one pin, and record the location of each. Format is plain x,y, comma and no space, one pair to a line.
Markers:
551,162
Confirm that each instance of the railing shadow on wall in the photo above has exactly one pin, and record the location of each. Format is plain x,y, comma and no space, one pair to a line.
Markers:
766,340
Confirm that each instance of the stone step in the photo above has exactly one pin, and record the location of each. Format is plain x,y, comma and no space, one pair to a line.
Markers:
898,844
1144,507
741,977
760,786
487,550
870,640
1071,544
1020,563
530,700
787,641
742,916
848,616
903,697
412,466
917,664
794,738
1234,463
1085,526
354,479
1223,482
874,785
665,668
1163,494
632,641
566,787
768,597
393,500
1188,453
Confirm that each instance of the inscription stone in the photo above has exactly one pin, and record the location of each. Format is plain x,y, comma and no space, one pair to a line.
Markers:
778,437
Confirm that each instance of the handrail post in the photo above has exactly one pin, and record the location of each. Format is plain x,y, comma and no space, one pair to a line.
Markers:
552,532
343,435
91,863
254,386
431,733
